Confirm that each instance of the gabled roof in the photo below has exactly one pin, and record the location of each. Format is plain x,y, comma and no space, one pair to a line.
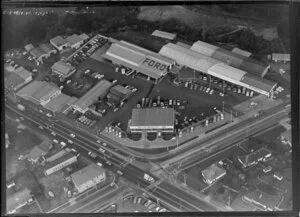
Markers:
258,82
204,48
213,172
12,80
62,67
253,157
120,89
84,36
224,71
58,103
36,153
267,200
23,73
47,47
45,145
59,160
58,41
37,52
241,52
86,174
74,39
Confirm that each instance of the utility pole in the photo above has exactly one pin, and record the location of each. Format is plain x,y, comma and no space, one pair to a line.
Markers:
184,179
223,107
231,115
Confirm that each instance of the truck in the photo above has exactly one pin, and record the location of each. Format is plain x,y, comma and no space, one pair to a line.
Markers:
21,107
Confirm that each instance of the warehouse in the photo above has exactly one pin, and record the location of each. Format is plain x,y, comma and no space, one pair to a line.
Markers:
88,177
213,173
241,52
164,35
98,91
235,59
58,164
43,51
204,63
139,59
63,69
39,92
152,119
59,43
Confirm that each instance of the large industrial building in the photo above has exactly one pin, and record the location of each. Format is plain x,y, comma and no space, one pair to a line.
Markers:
59,163
62,103
152,119
213,173
141,60
202,62
236,58
42,52
98,91
59,43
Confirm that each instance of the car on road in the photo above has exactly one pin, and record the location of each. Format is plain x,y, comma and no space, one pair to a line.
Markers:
99,164
120,172
98,141
70,141
152,206
55,141
101,150
72,135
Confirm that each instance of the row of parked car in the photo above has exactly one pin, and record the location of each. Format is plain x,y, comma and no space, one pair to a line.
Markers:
86,121
149,102
147,203
114,129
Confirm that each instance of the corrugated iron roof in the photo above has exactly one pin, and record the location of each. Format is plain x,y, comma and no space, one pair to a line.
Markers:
18,200
86,174
74,39
241,52
163,34
58,103
58,41
152,117
224,71
257,82
62,67
204,48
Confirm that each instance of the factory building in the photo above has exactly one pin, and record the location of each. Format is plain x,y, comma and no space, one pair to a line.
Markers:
63,69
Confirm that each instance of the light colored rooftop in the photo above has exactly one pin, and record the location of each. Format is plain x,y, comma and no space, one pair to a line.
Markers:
163,34
86,174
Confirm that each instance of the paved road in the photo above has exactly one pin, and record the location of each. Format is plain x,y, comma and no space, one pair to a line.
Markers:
165,191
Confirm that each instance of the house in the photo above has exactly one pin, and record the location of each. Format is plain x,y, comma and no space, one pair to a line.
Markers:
213,173
88,177
263,200
75,41
42,52
84,36
278,176
63,69
38,151
286,137
60,43
18,200
59,163
254,158
281,57
16,78
28,47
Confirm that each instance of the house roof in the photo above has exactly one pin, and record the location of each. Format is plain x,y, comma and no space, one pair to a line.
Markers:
84,36
62,67
268,200
29,47
213,172
74,39
163,34
58,41
18,199
92,95
152,117
45,145
56,155
37,52
36,153
288,135
254,156
12,80
58,103
86,174
281,56
47,47
23,73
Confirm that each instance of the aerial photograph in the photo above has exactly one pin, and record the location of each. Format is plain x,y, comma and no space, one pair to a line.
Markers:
147,108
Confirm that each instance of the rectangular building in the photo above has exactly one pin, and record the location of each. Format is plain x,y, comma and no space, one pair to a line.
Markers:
59,43
263,200
58,164
14,79
88,177
281,57
99,90
63,69
60,103
39,92
164,35
254,158
152,119
43,51
213,173
75,41
18,200
139,59
241,52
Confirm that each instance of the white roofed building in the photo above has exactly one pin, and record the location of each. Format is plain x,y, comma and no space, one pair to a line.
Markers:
163,34
63,69
59,43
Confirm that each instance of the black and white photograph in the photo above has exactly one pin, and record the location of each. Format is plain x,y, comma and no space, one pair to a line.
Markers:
147,108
